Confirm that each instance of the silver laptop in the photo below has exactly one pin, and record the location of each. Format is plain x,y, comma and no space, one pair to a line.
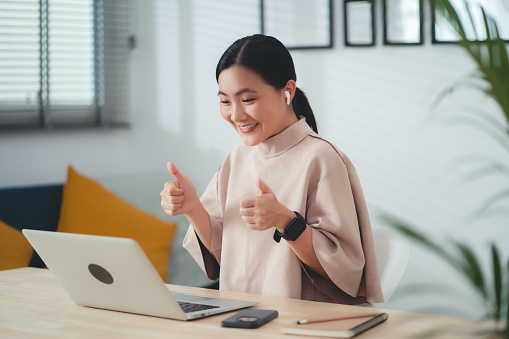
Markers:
115,274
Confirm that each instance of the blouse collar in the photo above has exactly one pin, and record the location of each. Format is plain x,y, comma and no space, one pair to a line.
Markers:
280,143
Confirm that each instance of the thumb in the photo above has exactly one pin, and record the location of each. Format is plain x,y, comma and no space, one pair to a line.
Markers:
263,187
172,168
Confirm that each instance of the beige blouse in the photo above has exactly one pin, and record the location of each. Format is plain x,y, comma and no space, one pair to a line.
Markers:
308,175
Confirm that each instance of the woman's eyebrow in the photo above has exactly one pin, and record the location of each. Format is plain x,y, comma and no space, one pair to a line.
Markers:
239,92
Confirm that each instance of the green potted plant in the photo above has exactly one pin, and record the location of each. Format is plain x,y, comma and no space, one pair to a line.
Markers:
489,52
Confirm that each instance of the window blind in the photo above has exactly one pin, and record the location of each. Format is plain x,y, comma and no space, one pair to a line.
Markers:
64,62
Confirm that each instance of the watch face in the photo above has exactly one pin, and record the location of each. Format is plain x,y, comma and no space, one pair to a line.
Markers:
294,228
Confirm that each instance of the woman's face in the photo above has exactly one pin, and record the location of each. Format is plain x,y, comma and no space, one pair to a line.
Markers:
255,109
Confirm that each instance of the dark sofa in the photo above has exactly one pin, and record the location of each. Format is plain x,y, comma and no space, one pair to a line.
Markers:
34,207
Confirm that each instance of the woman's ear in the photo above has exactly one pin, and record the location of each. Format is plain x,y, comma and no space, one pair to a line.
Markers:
289,90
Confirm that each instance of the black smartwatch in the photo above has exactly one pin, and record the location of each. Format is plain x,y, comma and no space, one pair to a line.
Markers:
293,230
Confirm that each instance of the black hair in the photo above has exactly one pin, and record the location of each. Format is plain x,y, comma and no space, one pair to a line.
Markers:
268,57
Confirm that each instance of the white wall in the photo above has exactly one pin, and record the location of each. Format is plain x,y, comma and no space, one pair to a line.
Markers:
374,103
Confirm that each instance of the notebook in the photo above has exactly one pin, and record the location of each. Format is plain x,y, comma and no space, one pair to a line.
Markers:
115,274
346,328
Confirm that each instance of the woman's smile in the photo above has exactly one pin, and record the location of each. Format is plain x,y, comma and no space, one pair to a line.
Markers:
247,128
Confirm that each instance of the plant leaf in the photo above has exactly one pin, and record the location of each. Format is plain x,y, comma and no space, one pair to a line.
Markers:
467,7
421,239
495,66
497,281
471,269
504,58
507,305
491,60
448,11
485,124
485,170
493,199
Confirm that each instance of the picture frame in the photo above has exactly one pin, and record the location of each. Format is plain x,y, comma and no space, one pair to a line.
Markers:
403,22
359,23
298,24
443,33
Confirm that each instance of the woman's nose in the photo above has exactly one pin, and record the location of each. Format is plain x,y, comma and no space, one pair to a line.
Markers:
238,113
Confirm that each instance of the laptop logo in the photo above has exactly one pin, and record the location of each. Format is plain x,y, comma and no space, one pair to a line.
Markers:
101,274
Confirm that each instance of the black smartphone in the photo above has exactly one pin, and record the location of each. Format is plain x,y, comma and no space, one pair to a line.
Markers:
250,318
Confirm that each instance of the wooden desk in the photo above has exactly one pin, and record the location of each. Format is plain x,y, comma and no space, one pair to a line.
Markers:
34,305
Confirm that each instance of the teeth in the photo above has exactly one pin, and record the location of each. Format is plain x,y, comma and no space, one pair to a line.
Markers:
244,128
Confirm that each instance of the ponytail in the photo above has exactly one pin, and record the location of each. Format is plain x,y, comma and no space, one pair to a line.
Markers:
301,107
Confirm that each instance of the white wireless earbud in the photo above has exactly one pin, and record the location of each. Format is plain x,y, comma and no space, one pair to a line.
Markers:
287,98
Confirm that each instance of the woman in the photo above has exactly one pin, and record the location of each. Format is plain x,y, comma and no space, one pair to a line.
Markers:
281,182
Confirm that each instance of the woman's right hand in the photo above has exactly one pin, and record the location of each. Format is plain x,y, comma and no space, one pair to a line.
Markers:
178,196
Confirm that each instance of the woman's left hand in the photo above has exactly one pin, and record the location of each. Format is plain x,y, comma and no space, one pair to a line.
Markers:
265,211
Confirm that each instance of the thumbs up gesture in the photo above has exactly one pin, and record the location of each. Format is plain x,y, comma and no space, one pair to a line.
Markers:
178,196
264,211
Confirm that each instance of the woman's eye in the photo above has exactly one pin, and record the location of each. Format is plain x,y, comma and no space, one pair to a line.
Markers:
247,100
224,102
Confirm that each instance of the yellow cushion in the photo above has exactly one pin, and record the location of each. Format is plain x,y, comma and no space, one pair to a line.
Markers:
89,208
15,250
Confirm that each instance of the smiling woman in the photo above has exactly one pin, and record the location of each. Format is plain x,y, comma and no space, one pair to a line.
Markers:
282,181
265,59
250,105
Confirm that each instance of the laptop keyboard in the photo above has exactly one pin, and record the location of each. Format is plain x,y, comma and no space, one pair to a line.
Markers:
193,307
